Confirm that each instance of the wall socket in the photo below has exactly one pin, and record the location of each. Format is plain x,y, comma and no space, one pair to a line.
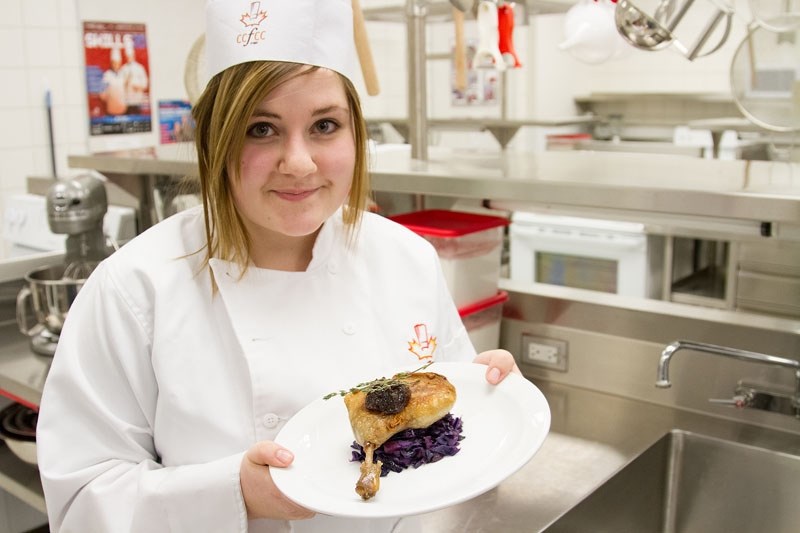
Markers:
544,352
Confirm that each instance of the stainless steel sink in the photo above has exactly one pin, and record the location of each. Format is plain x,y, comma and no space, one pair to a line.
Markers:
687,482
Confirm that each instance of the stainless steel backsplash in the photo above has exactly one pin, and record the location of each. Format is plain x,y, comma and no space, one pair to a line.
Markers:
613,346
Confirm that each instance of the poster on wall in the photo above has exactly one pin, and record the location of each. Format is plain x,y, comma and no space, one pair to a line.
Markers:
483,84
175,121
117,77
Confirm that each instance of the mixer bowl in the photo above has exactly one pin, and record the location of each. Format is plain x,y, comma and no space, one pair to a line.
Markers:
49,296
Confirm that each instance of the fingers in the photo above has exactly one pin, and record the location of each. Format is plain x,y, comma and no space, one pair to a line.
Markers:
261,497
270,454
499,364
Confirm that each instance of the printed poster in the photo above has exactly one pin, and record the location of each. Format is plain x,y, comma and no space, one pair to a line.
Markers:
175,121
117,77
483,83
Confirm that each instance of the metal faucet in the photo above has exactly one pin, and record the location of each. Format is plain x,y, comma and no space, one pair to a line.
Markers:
753,357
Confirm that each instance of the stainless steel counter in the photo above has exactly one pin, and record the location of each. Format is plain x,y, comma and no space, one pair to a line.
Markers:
645,184
592,436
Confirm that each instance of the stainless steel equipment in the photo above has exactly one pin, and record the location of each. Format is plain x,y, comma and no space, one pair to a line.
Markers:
50,297
75,207
687,481
765,81
658,30
744,355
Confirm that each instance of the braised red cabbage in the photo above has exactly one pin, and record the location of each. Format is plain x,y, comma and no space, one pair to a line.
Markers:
415,447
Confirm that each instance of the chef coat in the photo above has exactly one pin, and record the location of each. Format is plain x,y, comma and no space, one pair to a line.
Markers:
159,385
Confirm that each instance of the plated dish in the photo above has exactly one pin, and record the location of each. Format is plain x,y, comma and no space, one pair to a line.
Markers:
504,426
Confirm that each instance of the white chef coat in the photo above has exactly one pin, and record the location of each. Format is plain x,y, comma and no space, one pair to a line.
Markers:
158,386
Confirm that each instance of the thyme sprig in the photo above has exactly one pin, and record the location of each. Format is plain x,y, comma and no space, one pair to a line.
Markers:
376,384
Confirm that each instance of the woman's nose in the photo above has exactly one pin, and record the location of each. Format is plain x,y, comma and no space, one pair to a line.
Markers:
297,159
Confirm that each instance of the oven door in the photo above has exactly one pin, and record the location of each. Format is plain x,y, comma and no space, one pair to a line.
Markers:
582,253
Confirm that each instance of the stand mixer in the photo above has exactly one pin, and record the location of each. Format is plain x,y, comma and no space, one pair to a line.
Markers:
75,207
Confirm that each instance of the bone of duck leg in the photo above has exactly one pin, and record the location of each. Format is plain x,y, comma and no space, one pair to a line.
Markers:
370,480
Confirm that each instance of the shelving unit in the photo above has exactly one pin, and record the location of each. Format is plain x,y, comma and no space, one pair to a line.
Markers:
416,14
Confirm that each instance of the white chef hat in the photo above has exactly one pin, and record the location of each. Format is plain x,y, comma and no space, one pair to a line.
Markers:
314,32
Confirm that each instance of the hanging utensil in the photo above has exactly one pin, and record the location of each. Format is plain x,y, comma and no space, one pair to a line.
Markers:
364,51
657,31
765,83
488,53
48,102
459,50
505,27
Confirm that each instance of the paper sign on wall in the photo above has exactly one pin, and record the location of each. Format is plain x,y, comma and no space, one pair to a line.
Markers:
175,121
117,77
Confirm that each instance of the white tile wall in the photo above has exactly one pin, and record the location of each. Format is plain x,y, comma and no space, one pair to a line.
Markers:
36,55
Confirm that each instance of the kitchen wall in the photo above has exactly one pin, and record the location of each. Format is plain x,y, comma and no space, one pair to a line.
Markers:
40,48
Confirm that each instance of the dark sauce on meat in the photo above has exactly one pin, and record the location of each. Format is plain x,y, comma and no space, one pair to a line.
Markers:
388,400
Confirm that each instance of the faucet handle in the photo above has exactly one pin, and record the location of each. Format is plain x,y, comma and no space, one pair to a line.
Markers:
740,401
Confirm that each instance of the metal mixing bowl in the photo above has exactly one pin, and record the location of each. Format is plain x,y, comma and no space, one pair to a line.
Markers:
50,297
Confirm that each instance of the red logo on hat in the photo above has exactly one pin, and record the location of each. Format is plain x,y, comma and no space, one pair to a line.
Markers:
255,16
252,20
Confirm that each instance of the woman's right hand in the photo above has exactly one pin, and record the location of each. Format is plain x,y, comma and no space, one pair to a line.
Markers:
261,497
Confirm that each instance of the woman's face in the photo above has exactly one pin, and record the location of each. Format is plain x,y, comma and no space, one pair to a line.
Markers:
298,158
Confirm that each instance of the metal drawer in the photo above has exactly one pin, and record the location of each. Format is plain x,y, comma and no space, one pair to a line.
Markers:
768,293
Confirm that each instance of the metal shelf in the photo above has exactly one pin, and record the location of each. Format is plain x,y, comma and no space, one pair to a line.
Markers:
503,130
442,10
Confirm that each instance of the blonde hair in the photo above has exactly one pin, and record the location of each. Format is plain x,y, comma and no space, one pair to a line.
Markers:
221,115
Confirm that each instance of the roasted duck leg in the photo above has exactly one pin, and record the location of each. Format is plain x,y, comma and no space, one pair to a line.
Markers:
385,407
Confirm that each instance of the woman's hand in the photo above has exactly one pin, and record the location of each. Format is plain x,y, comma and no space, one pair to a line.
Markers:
500,363
261,497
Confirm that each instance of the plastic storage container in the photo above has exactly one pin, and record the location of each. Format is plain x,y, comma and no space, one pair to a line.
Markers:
469,247
482,321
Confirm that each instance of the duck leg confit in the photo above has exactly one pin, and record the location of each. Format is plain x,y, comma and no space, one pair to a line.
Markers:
384,407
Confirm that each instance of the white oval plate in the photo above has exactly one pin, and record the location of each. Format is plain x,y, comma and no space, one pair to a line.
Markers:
504,426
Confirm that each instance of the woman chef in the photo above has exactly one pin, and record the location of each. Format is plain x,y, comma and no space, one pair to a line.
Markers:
188,349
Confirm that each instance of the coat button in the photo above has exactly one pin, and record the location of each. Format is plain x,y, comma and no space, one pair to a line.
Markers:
349,329
270,420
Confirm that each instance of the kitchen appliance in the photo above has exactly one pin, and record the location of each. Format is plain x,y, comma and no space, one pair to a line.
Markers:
601,255
50,296
76,208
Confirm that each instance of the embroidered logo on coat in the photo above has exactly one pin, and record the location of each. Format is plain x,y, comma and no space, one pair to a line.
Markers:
423,346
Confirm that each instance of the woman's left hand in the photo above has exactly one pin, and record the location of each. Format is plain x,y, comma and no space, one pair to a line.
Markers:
500,363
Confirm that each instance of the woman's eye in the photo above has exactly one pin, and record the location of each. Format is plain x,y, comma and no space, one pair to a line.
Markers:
326,126
260,129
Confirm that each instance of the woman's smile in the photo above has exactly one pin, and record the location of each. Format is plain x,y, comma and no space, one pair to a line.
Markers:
292,195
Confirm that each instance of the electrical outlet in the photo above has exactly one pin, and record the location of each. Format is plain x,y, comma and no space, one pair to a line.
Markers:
544,352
